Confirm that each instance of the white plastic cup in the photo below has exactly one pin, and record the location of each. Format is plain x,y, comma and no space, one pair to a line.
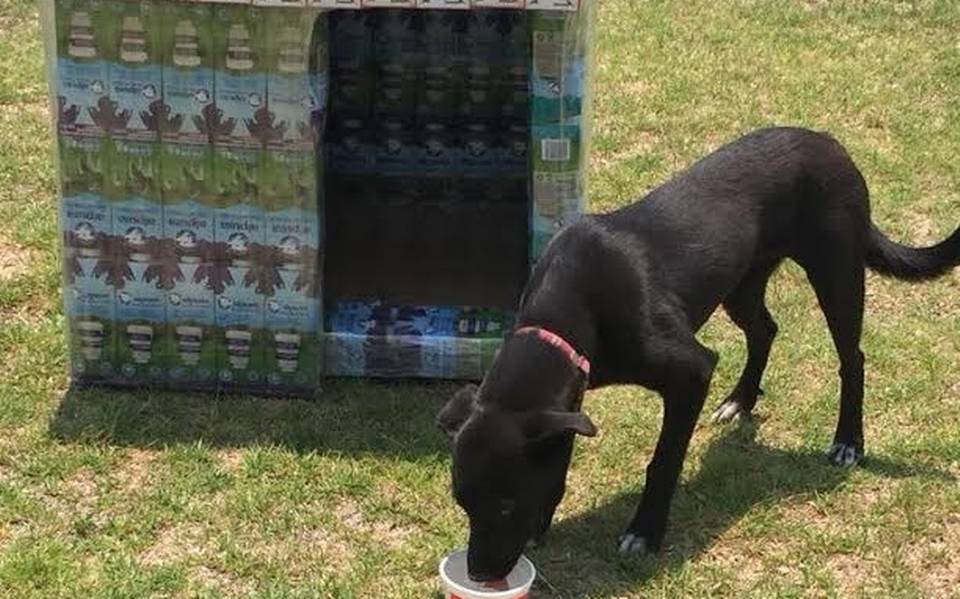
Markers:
457,585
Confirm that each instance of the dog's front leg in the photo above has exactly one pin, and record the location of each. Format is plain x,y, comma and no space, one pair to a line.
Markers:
686,380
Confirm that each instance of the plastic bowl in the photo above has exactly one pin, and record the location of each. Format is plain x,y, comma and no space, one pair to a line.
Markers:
457,585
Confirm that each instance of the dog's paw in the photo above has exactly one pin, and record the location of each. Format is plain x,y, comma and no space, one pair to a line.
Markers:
630,543
729,411
843,455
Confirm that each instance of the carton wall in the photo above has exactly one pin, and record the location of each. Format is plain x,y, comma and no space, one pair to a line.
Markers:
196,141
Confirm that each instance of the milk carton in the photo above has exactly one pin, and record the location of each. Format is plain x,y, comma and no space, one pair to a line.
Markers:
134,70
140,304
559,65
558,195
240,116
512,69
288,193
513,160
188,82
188,261
349,158
244,272
351,64
480,49
86,222
281,3
292,95
398,57
395,160
81,68
437,99
478,161
320,75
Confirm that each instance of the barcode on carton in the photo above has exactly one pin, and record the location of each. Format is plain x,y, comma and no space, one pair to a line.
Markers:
555,150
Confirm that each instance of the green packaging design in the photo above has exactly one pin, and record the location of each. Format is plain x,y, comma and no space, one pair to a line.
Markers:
351,56
241,275
81,84
559,63
188,220
86,224
193,181
292,96
188,85
140,308
241,117
134,69
288,193
558,183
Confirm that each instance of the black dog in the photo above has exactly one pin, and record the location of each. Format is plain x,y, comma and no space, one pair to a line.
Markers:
629,290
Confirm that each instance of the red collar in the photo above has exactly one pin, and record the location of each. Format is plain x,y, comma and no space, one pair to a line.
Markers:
551,338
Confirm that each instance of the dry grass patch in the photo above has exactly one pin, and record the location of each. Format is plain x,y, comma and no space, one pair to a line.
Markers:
15,260
934,561
179,542
212,578
386,533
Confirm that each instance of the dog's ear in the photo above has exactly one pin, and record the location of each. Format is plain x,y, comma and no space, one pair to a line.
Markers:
544,425
457,410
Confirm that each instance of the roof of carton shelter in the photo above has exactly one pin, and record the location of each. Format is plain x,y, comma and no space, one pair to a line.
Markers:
554,5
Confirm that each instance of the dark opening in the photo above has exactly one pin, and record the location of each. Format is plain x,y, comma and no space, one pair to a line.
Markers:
426,171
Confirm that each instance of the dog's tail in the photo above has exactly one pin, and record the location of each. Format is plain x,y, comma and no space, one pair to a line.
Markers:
912,264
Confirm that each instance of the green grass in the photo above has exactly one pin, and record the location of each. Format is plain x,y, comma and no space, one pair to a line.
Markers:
122,495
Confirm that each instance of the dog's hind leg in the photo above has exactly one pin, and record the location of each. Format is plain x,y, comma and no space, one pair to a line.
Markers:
683,371
839,284
747,309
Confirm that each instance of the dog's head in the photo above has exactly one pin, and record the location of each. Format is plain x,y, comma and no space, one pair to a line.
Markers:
509,472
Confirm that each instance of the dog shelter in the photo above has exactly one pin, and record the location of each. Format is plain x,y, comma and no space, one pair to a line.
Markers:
255,195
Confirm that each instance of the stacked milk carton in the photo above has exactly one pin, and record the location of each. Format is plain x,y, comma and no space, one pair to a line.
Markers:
193,138
429,105
558,142
189,179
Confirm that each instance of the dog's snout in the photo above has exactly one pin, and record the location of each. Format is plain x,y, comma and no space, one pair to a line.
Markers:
484,566
484,576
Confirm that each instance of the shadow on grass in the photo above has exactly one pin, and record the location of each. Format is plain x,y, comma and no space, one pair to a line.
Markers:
734,476
354,417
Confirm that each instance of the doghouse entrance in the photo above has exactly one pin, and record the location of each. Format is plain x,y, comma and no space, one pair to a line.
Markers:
426,170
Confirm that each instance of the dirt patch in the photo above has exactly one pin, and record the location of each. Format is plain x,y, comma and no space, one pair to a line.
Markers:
208,577
387,533
15,260
232,460
934,561
132,475
175,543
333,550
854,574
74,497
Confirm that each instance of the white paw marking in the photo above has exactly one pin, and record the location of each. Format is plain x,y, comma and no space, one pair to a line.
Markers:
845,456
727,412
631,543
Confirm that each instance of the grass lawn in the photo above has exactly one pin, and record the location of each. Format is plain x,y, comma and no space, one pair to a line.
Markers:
125,495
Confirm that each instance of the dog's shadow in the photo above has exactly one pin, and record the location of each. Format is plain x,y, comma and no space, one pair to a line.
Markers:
735,475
